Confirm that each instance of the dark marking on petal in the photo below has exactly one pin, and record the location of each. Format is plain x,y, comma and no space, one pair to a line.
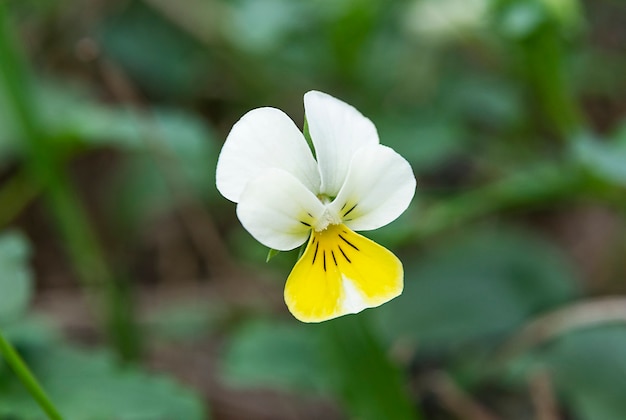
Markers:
351,208
344,254
348,242
344,206
324,256
317,245
305,223
310,214
333,255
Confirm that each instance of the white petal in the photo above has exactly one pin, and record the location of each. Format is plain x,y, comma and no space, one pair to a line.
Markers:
379,187
278,210
337,130
264,138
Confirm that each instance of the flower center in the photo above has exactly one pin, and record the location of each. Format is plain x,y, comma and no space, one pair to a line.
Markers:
329,217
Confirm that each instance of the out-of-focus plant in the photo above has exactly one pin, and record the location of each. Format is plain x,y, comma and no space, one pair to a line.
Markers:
508,111
81,383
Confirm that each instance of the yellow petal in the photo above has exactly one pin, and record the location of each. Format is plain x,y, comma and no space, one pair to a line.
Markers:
341,272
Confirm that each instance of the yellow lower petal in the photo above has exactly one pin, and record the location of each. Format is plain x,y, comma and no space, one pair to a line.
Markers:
341,272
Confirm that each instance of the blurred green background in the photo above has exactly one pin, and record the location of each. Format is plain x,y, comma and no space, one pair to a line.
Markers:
132,291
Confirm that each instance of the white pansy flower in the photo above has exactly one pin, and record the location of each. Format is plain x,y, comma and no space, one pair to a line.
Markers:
287,196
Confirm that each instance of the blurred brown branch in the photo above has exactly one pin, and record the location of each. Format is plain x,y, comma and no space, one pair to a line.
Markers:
546,327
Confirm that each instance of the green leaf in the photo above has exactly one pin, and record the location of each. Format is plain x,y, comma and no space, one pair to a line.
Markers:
166,141
604,159
175,153
274,355
90,385
588,368
424,140
271,253
477,285
16,278
158,56
521,18
370,386
341,357
262,25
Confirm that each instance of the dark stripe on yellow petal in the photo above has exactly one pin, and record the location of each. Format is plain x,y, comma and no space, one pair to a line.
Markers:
368,275
348,242
344,254
317,245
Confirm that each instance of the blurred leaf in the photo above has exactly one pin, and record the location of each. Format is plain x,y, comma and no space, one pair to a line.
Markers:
16,279
477,285
588,368
262,25
159,57
164,142
72,115
340,356
487,101
519,19
168,131
274,355
444,20
603,159
179,149
370,385
425,141
27,334
31,332
89,385
170,135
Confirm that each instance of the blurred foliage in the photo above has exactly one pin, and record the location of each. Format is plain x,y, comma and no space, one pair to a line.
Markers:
17,278
511,113
83,384
588,366
494,281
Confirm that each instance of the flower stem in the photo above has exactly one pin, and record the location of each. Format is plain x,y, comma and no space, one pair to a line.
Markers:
28,379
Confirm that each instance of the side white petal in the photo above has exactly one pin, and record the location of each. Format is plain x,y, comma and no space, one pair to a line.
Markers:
264,138
379,187
278,210
337,130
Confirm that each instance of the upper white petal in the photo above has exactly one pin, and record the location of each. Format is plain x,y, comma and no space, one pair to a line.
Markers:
337,130
264,138
379,187
276,208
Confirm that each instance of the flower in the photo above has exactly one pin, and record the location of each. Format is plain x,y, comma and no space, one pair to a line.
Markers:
286,196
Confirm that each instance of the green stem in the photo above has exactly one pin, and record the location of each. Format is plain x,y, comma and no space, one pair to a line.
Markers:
543,59
28,379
